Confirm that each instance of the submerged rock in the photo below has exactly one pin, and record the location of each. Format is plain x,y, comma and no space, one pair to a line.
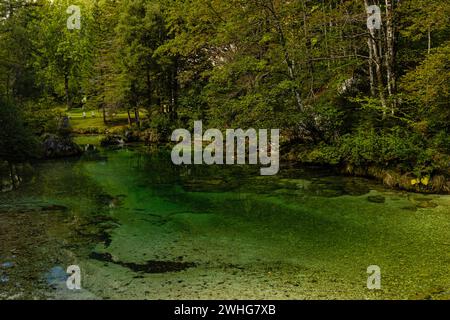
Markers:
337,186
54,207
326,189
423,202
376,199
7,264
356,187
426,204
56,276
4,278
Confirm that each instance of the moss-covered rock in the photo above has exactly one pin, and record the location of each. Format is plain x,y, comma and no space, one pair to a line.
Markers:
376,199
112,140
57,147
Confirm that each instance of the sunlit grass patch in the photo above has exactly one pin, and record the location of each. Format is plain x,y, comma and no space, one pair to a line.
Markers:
93,121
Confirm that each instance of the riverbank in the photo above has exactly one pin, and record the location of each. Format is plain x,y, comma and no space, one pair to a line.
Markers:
391,177
389,158
394,176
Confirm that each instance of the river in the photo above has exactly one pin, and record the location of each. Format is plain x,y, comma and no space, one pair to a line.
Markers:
140,227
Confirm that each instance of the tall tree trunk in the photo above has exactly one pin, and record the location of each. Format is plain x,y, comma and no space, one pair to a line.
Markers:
66,91
104,113
159,102
11,172
325,37
129,117
390,53
136,116
287,58
308,46
149,88
8,77
371,75
376,51
174,89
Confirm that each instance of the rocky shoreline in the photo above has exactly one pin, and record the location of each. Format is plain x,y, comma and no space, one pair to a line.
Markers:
59,147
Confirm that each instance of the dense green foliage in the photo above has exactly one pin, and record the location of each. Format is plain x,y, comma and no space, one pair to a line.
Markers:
341,94
17,143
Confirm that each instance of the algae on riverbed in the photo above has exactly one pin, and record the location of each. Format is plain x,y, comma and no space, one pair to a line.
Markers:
220,231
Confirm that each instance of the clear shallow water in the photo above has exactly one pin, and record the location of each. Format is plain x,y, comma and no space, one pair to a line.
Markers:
140,227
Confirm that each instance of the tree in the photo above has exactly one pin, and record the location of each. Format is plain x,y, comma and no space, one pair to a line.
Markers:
63,55
17,144
103,90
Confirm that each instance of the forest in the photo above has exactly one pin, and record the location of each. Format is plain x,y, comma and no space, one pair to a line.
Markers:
368,102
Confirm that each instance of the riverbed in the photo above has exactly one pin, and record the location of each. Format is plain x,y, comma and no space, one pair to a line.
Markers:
140,227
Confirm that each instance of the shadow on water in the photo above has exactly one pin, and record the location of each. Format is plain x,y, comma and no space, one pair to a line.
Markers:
147,267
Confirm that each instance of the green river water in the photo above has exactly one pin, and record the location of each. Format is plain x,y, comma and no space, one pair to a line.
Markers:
142,228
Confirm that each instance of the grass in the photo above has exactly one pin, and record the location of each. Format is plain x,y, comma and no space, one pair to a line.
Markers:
95,122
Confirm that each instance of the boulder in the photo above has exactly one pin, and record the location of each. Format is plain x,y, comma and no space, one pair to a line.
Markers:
376,199
112,140
90,148
55,146
131,136
6,184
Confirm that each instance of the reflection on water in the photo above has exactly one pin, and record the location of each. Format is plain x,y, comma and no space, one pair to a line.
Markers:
142,228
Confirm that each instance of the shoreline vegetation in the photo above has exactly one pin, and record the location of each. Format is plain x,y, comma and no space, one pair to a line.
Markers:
372,103
13,174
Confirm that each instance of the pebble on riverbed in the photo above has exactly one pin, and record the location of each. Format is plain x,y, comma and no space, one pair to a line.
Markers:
4,278
7,264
